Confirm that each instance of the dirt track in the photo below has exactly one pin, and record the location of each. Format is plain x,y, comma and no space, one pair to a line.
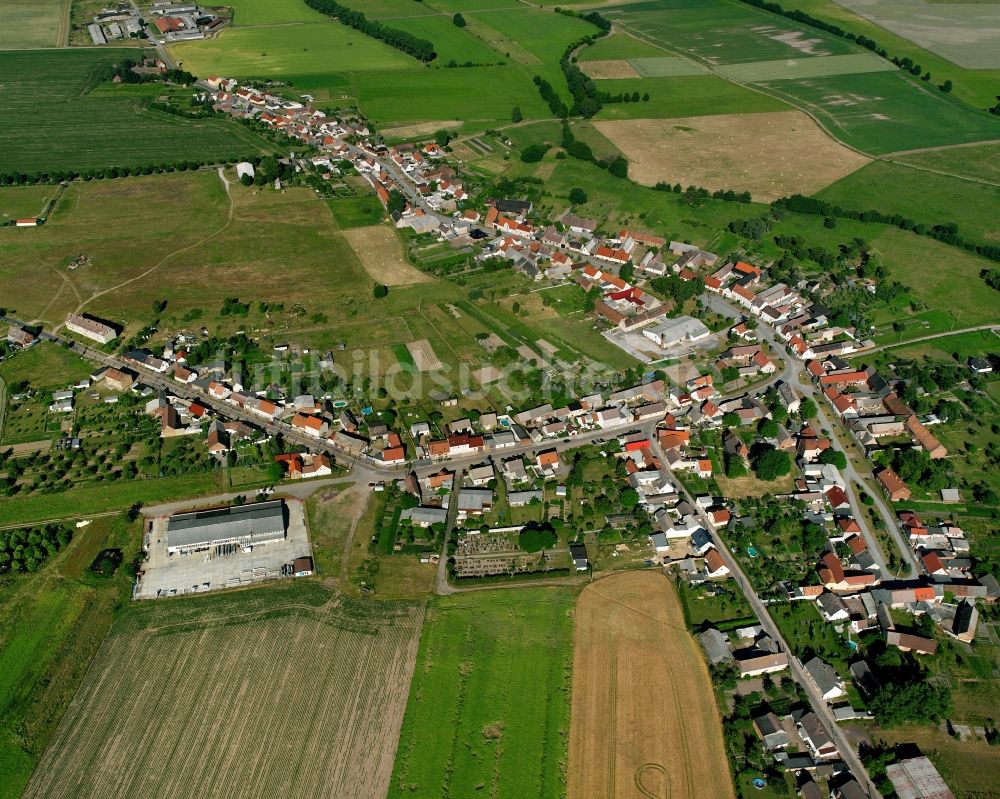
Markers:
644,719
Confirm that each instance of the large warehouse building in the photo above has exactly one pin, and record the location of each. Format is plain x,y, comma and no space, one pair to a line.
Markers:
244,525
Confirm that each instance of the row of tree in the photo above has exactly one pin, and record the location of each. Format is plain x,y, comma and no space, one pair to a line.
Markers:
421,49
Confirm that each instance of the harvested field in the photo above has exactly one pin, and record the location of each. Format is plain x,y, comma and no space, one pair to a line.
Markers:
381,254
770,155
644,720
291,692
602,70
423,356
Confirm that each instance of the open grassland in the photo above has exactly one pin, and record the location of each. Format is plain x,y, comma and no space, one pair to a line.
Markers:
379,250
450,42
922,196
51,625
45,366
945,278
795,68
288,51
620,46
883,112
967,35
33,23
488,711
349,212
52,124
723,31
270,12
769,155
18,201
698,95
286,690
631,644
978,161
976,87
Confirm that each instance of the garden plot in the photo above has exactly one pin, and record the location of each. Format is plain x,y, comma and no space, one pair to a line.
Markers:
770,155
967,34
423,356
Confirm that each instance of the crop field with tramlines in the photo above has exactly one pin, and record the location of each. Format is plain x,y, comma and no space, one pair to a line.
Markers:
489,709
283,691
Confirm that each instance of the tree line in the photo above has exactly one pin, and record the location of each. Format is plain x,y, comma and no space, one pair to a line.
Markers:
421,49
60,175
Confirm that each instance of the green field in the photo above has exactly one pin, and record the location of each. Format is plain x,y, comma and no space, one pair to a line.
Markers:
793,69
978,161
450,42
620,46
666,67
682,97
361,211
922,196
45,366
723,31
51,123
270,12
287,52
489,705
33,23
884,112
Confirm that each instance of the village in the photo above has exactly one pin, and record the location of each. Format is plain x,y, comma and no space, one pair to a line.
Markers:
628,474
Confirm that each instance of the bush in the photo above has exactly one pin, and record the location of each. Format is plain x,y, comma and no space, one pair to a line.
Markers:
380,291
459,21
533,153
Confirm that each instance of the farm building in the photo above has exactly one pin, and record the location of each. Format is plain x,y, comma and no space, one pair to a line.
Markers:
243,526
671,332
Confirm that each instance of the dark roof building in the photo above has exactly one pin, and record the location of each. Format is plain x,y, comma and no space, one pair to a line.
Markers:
245,525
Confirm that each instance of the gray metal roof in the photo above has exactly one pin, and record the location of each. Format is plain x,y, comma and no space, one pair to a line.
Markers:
262,521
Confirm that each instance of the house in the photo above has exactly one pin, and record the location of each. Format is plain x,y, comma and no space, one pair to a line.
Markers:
911,643
925,439
393,455
548,462
715,566
815,736
27,221
659,541
579,554
474,501
118,379
480,475
893,485
769,728
310,425
518,499
20,337
825,679
716,646
424,517
832,607
754,662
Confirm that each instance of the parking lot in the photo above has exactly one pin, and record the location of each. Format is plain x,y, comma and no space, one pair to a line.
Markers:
221,567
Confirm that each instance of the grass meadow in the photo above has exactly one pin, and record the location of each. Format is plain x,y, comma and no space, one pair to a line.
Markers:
489,705
977,161
51,122
24,201
697,95
270,12
620,46
922,196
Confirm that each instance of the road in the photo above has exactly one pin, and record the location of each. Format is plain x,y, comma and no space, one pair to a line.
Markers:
771,628
793,375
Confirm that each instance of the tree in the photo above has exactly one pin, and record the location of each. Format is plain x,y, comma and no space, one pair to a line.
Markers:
770,464
836,457
618,167
729,374
808,409
459,21
629,498
768,428
380,291
537,536
515,114
577,196
442,137
396,202
946,87
533,153
730,419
